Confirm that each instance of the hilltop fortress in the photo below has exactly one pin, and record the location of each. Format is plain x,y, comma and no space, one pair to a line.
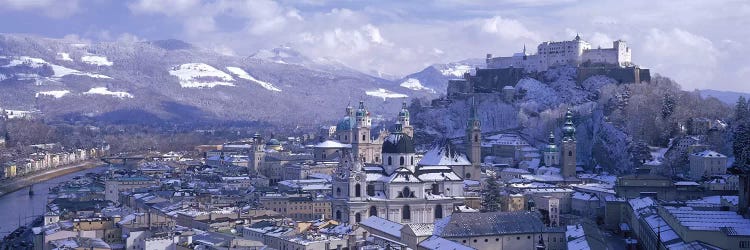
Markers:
502,73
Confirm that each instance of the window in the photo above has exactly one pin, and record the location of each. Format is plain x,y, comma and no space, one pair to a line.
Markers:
338,191
476,138
570,153
363,137
406,213
439,211
744,244
390,162
338,215
435,188
412,160
468,176
357,218
401,161
370,190
373,211
357,192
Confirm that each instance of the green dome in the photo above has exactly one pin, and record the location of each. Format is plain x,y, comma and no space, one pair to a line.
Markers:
345,124
273,142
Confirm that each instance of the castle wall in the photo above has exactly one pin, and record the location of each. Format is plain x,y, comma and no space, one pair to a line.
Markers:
621,75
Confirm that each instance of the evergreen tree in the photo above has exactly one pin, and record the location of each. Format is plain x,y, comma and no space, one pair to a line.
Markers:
491,195
668,105
741,110
741,145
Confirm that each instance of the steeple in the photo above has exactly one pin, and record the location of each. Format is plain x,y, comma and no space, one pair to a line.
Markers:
404,119
473,144
569,130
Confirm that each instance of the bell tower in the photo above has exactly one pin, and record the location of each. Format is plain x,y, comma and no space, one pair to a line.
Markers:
259,152
474,144
551,152
361,143
403,118
568,170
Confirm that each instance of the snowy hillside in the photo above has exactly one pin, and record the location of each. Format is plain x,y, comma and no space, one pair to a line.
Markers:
436,76
173,80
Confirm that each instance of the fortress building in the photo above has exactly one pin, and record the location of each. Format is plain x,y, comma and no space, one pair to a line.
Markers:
573,53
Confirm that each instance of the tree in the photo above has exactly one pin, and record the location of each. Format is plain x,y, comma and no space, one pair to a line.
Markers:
741,145
491,195
741,109
668,105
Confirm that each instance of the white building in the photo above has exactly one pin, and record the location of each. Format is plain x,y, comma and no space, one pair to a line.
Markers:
574,52
707,163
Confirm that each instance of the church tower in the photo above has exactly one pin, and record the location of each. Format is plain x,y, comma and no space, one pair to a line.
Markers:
258,152
473,144
362,143
551,152
403,119
568,170
349,184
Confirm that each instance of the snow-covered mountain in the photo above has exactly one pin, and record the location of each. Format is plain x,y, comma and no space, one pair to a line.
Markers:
435,77
174,80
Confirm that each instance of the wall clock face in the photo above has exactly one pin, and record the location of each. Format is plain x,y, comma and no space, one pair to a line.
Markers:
357,178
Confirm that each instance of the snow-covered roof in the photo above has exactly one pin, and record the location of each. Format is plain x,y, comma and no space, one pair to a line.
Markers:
439,243
444,155
389,227
332,144
709,153
421,229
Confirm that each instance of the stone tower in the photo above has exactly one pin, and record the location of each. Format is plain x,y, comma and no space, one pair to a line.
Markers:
474,143
403,118
551,152
258,152
361,143
568,170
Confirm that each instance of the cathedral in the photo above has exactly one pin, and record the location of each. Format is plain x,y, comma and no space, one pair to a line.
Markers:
394,183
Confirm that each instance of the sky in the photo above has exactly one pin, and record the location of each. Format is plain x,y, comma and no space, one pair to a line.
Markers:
700,44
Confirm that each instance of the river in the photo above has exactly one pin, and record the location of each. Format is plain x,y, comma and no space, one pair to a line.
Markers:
20,206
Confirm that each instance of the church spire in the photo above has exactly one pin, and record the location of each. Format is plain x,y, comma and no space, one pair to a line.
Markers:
569,130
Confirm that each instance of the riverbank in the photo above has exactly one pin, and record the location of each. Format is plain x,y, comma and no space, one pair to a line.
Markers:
25,181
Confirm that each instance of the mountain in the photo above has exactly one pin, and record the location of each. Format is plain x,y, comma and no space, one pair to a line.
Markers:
435,77
171,80
728,97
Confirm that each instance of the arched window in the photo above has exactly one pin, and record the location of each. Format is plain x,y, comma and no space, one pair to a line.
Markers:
338,191
390,161
476,138
401,160
406,213
412,160
370,190
570,153
405,193
439,211
357,218
373,211
357,192
363,137
338,215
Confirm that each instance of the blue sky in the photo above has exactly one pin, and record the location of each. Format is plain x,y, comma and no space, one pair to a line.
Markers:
701,44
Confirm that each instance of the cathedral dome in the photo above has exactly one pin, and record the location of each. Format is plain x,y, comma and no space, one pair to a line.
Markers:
398,143
345,124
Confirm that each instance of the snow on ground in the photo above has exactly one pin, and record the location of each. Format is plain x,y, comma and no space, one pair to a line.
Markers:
96,60
384,93
25,60
62,56
13,114
105,91
456,70
53,93
59,71
415,84
244,75
190,75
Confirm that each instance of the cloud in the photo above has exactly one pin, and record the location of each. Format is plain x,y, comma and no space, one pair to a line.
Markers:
689,58
50,8
507,28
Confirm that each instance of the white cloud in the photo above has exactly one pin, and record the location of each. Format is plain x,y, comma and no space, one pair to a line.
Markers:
688,58
50,8
507,28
